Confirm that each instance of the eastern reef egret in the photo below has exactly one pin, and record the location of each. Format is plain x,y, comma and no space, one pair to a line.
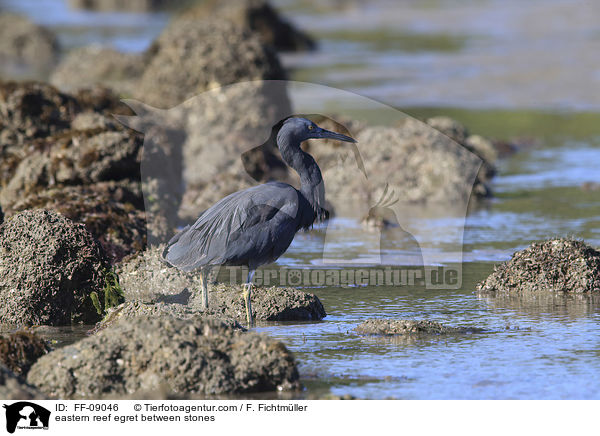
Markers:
255,226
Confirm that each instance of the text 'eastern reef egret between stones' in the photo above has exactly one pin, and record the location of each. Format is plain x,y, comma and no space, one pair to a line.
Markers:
255,226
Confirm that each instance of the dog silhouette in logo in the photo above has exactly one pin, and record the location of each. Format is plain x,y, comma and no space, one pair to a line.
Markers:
30,413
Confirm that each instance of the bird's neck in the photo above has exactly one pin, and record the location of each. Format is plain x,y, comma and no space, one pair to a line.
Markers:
311,180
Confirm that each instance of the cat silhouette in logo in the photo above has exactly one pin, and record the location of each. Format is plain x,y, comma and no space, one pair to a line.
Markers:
30,413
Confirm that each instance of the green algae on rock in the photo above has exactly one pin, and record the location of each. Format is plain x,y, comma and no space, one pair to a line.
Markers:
557,265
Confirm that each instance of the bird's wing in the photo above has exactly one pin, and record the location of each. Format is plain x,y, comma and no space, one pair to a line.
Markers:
226,230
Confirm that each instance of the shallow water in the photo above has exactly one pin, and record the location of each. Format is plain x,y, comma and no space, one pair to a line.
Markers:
542,348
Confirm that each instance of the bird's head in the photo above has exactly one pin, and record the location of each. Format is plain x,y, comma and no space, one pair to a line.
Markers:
295,130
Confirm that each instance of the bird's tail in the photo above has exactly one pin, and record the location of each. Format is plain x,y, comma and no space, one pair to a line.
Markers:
172,241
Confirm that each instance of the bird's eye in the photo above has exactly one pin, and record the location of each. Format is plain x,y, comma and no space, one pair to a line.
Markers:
310,127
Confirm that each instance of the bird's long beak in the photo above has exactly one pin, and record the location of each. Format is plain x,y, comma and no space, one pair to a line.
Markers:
322,133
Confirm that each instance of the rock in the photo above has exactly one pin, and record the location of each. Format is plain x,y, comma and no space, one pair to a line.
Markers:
198,356
75,158
557,265
111,211
26,49
93,121
49,267
35,110
192,56
13,387
449,127
32,110
258,16
268,303
482,147
230,130
126,6
417,163
86,150
146,277
101,99
87,67
391,327
19,350
176,307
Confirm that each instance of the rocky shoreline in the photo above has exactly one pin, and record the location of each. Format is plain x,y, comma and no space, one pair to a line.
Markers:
86,202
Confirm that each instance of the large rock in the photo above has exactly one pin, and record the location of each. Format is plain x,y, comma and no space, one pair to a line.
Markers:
482,147
449,127
146,277
557,265
86,67
417,163
30,110
258,16
173,306
229,131
26,49
13,387
20,350
58,151
268,303
49,267
113,212
75,158
147,353
192,56
34,110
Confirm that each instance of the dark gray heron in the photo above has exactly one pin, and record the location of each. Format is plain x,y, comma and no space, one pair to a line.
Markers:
255,226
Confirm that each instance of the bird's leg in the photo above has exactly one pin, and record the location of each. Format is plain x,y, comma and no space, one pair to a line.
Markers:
247,294
204,285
